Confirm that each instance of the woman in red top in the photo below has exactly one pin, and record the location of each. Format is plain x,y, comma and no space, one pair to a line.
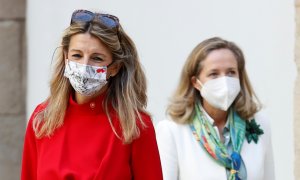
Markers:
93,125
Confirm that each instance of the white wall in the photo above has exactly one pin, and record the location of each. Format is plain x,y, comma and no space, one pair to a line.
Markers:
166,31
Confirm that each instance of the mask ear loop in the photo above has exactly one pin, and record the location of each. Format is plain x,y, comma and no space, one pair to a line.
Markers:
198,80
108,67
110,64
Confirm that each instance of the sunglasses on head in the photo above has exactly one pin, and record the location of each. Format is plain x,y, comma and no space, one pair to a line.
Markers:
108,20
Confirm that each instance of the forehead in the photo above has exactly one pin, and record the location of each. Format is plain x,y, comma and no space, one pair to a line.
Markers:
219,59
88,43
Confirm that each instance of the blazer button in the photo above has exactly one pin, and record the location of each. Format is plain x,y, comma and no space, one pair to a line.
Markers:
92,105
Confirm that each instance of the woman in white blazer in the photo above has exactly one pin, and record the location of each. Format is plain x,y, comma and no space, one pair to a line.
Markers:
214,130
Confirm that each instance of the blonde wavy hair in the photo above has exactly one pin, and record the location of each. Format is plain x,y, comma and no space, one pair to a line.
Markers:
126,90
182,104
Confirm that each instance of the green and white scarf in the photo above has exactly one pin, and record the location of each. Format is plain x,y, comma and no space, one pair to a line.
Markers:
208,138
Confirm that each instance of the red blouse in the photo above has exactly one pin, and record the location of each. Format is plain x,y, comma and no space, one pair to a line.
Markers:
86,148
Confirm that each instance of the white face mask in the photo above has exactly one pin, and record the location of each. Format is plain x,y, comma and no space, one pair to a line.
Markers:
85,79
220,92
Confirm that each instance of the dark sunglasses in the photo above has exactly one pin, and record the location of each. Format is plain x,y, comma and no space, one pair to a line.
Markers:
108,20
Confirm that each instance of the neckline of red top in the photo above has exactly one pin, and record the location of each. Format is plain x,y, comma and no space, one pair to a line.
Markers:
94,106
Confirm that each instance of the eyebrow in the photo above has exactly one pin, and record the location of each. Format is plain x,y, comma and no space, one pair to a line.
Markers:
97,53
233,68
214,69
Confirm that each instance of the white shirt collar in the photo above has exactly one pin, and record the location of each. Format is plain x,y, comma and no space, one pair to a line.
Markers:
211,120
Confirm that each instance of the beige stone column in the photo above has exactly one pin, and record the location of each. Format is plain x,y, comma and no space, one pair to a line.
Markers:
297,94
12,87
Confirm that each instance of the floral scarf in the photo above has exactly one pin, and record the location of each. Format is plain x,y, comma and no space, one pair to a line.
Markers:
208,138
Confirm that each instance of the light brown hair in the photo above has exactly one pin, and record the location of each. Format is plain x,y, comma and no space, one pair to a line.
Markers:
182,104
126,90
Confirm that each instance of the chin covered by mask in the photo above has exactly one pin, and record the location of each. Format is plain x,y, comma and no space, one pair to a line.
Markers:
85,79
220,92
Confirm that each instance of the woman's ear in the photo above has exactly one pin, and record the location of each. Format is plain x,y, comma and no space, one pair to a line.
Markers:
114,69
195,83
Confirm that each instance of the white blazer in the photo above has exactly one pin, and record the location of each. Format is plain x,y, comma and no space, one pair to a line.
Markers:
183,158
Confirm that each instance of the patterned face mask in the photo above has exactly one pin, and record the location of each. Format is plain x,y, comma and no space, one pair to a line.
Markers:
85,79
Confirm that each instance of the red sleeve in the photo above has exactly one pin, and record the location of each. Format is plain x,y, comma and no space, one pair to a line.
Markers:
145,156
29,160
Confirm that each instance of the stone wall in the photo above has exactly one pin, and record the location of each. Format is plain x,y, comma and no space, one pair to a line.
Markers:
297,94
12,86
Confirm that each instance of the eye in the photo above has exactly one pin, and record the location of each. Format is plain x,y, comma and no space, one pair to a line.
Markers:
76,56
97,59
231,73
213,75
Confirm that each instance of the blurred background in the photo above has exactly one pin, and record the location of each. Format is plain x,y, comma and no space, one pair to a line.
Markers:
165,32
